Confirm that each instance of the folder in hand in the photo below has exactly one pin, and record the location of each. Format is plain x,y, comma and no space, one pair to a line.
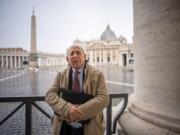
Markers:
74,97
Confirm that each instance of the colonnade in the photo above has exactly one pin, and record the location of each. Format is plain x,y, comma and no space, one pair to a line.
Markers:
44,60
116,56
12,60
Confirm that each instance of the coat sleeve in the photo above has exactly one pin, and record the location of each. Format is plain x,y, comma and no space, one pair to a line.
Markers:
58,105
92,107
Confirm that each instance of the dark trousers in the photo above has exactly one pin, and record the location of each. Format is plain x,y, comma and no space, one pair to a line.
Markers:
69,130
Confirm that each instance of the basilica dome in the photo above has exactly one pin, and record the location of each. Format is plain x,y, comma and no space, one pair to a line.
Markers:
108,34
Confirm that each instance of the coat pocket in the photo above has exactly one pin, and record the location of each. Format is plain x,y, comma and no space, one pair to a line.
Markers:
100,122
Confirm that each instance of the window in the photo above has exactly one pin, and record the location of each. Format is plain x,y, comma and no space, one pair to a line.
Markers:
108,58
97,59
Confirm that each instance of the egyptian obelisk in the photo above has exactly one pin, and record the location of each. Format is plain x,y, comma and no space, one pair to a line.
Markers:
33,34
33,63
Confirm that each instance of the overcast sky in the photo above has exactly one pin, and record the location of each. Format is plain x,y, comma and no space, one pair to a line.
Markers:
60,22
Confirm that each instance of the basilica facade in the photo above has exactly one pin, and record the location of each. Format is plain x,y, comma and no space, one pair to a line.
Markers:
109,50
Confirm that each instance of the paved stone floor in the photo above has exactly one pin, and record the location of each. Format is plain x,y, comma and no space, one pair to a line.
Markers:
15,125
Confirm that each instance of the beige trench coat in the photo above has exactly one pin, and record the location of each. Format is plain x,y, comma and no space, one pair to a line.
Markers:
94,84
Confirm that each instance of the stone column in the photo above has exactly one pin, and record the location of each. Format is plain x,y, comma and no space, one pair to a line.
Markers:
39,61
56,61
51,60
95,56
98,56
104,56
6,61
44,61
15,61
99,51
154,108
117,56
19,61
91,56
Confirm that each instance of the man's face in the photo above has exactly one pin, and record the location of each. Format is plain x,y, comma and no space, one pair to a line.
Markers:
76,58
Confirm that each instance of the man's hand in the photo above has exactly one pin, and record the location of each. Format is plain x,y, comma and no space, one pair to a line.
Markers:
75,114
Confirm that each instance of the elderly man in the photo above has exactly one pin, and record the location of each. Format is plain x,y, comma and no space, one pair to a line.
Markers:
79,76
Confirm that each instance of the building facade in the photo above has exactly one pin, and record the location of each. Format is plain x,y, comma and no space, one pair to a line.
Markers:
19,58
50,59
13,57
109,50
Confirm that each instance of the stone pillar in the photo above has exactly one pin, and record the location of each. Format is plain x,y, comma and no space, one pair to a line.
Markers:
15,61
91,56
94,59
39,61
116,55
120,58
56,61
154,108
19,59
50,61
95,55
59,61
127,58
111,58
7,61
104,56
44,61
98,56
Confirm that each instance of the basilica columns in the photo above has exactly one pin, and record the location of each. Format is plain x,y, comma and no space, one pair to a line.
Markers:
154,108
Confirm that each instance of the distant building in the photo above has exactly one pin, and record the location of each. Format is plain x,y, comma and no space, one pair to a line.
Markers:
13,57
51,59
109,50
18,58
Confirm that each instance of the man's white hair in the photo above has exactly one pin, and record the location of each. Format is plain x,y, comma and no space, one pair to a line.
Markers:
74,46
